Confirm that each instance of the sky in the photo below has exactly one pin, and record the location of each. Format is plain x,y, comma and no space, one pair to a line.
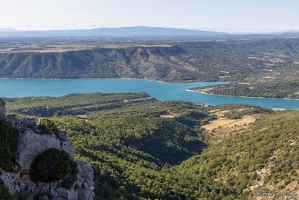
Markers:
216,15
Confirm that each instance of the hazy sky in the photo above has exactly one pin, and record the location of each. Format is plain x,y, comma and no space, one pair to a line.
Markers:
219,15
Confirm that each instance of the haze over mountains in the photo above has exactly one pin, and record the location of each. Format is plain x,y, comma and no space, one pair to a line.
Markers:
135,31
118,32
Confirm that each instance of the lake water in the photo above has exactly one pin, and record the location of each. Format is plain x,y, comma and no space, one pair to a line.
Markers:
159,90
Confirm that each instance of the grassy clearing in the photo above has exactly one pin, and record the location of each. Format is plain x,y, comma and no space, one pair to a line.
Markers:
222,127
167,116
229,123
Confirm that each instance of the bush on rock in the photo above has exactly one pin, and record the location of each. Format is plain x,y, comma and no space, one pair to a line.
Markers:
8,144
51,165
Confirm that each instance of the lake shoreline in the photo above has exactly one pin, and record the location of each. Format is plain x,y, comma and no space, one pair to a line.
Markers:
189,90
148,79
162,91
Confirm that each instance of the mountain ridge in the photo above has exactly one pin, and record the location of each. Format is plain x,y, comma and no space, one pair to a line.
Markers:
135,31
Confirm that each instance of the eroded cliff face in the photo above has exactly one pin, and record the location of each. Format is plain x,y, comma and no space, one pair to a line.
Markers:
32,143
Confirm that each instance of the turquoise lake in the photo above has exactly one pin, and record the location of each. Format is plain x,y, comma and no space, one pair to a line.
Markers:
159,90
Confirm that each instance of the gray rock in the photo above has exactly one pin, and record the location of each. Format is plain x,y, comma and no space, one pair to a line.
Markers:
85,184
21,186
27,123
16,122
83,191
2,109
63,136
63,192
30,145
11,180
68,147
44,198
42,120
30,124
30,187
85,194
54,193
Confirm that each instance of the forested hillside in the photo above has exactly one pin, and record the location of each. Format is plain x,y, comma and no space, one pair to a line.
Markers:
278,89
247,60
261,160
165,150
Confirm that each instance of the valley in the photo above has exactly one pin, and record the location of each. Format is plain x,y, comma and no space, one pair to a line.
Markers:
138,151
153,139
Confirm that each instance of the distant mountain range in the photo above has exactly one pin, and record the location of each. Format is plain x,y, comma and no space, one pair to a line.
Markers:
138,31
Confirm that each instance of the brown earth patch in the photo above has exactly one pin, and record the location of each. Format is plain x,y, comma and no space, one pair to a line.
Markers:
229,123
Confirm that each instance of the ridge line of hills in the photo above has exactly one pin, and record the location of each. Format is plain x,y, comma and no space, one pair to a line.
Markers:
133,31
137,31
256,60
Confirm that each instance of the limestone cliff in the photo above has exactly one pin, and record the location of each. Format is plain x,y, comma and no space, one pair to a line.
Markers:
32,142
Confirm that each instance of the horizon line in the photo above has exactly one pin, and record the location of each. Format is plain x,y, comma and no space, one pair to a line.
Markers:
216,30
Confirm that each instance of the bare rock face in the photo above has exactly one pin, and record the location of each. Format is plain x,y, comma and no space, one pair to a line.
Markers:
84,181
2,109
32,143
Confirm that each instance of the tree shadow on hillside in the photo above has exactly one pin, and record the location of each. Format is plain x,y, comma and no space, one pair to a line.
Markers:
172,150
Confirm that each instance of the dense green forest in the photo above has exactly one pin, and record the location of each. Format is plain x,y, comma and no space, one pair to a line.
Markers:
72,104
280,89
257,59
160,150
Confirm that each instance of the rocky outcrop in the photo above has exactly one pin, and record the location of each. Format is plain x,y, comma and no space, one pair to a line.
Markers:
84,180
81,189
31,143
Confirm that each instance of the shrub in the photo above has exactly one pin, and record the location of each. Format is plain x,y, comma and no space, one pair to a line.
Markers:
44,129
52,126
49,126
4,191
69,181
51,165
8,144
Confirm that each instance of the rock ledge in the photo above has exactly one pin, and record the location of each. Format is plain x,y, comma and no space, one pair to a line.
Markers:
32,143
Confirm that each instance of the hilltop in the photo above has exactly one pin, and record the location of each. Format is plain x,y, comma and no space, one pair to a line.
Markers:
243,61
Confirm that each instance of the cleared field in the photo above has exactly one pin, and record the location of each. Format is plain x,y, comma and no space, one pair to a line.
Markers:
229,123
223,127
167,116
